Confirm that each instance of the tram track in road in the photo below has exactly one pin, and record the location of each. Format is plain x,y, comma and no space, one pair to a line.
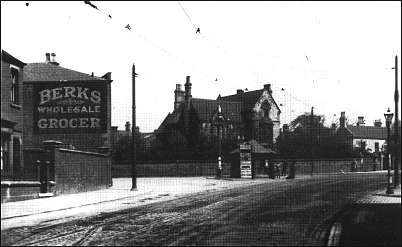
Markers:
259,214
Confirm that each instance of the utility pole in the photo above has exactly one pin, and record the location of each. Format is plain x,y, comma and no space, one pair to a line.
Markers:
397,151
133,128
219,132
312,139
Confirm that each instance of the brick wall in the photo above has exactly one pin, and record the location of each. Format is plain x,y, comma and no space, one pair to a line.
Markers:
171,169
81,141
208,168
78,171
333,166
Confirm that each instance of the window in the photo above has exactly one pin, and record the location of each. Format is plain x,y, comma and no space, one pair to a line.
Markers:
377,147
266,108
14,85
5,165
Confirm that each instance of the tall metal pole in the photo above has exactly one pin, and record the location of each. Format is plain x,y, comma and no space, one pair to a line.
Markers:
389,188
219,130
397,150
133,128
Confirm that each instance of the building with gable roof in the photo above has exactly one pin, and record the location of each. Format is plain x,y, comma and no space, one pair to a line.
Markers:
65,105
252,115
360,136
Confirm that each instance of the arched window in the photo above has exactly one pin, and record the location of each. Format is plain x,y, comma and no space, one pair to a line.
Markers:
266,108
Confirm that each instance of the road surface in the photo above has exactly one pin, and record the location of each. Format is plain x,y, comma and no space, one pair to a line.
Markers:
289,212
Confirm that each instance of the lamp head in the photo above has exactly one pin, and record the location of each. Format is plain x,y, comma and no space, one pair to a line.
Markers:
388,116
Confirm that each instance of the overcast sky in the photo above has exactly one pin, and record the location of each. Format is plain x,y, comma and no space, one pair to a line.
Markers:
335,56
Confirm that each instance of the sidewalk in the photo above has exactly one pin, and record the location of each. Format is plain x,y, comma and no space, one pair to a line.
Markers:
149,190
381,197
374,220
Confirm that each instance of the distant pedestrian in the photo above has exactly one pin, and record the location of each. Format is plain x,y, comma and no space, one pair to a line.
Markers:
277,171
284,168
266,170
353,166
292,170
271,170
375,163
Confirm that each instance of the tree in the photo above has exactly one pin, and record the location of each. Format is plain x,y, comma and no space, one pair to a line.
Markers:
122,151
308,138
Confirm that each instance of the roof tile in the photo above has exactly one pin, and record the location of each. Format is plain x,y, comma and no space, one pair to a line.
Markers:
34,72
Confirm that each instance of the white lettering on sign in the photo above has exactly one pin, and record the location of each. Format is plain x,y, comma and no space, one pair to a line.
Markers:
52,123
69,92
69,109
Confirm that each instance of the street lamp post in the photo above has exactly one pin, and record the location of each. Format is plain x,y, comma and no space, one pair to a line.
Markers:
219,124
388,118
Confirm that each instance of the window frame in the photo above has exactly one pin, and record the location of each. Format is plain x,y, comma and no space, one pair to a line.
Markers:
15,87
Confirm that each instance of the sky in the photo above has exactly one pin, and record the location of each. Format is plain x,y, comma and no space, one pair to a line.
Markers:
333,56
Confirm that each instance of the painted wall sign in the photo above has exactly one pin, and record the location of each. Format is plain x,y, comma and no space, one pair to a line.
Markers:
70,108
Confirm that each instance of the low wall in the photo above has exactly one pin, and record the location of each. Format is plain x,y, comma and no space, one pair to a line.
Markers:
172,169
208,168
322,166
78,171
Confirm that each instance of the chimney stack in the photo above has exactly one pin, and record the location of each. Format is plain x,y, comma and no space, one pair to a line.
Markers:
239,91
268,88
187,95
47,57
128,126
342,120
377,123
178,96
52,58
360,121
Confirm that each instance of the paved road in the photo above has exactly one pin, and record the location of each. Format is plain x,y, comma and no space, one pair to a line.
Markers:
289,212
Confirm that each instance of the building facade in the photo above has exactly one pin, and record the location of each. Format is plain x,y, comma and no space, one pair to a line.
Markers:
360,136
65,105
371,138
11,115
45,101
244,116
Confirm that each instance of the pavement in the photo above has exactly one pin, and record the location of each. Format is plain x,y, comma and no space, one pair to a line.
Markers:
63,208
373,220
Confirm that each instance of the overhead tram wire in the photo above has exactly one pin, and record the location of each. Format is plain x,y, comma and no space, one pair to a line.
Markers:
256,74
141,36
188,16
219,47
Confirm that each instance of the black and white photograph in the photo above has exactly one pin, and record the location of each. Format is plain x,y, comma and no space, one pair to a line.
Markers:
200,123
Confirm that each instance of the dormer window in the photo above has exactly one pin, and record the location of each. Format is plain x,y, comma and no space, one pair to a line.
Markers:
14,85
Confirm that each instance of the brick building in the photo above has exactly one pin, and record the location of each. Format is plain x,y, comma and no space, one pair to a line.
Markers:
11,114
246,116
360,136
65,105
44,101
